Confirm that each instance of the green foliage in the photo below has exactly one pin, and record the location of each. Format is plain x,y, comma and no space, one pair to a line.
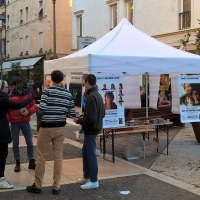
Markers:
49,54
16,71
38,76
197,39
185,39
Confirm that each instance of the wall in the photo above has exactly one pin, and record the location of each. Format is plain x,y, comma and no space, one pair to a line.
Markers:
37,25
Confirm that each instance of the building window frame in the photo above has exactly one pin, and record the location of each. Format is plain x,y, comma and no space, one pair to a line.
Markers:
8,49
113,14
40,42
26,45
26,12
21,16
21,47
129,11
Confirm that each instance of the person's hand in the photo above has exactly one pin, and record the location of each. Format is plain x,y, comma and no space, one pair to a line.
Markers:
76,120
36,105
25,113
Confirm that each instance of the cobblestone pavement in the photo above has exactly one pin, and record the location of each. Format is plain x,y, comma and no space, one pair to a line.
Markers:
69,152
141,187
121,142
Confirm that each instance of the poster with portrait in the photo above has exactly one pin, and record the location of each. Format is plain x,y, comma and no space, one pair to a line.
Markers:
75,87
111,89
189,97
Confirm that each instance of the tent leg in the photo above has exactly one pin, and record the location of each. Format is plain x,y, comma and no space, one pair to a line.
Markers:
147,97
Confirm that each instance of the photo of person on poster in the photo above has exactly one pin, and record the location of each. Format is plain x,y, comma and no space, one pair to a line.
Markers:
120,93
109,104
112,86
104,87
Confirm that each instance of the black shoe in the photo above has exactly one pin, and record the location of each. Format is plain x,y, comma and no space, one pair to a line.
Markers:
33,189
56,191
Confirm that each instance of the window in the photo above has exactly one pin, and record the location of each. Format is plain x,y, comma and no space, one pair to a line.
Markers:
79,26
26,45
130,12
41,9
186,5
8,49
21,17
113,16
8,21
21,46
40,42
26,14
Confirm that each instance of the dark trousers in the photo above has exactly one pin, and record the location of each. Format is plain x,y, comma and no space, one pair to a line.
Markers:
90,162
3,156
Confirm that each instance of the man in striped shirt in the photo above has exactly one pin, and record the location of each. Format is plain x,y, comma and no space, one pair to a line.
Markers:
56,105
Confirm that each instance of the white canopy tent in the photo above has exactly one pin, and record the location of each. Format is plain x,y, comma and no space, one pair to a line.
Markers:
127,49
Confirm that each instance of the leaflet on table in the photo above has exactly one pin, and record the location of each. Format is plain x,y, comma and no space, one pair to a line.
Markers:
111,89
189,95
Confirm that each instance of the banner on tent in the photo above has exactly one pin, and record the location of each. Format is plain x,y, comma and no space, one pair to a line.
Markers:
189,95
111,89
75,87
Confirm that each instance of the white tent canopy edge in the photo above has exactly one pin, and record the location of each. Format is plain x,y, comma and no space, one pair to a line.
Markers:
127,49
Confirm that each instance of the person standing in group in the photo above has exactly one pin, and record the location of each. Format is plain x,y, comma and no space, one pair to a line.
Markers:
19,120
38,96
30,87
5,134
92,123
56,105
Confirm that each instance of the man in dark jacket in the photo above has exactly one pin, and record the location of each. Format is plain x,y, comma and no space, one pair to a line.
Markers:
30,88
92,123
5,134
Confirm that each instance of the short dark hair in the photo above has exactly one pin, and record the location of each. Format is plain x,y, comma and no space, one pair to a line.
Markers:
16,80
91,79
109,94
57,76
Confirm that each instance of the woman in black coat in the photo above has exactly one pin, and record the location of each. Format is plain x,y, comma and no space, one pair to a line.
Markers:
5,134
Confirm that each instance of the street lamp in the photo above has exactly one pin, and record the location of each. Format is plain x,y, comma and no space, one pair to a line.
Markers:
54,28
1,54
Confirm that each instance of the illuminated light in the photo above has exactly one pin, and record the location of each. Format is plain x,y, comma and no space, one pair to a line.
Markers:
70,3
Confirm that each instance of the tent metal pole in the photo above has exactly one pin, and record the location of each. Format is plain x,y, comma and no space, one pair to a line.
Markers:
147,95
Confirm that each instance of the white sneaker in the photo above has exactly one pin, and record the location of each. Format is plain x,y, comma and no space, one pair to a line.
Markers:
77,135
4,184
83,180
90,185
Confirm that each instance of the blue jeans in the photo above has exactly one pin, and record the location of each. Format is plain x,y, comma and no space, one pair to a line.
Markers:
26,130
90,163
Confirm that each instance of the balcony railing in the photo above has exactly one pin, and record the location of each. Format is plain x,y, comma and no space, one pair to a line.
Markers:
184,20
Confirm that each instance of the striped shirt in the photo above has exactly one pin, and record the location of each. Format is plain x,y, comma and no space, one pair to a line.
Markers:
56,105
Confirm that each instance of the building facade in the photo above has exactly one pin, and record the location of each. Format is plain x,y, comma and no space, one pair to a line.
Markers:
96,18
169,20
29,30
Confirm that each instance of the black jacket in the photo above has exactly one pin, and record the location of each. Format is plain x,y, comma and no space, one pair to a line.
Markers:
92,121
5,104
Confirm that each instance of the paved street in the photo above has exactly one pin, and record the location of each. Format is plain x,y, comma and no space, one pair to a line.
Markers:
130,177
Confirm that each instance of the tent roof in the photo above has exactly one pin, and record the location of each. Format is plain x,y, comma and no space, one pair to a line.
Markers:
127,49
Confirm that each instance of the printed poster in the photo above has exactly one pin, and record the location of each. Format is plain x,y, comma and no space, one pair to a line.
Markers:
75,87
189,95
111,89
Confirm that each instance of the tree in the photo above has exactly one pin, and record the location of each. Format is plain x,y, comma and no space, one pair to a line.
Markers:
185,40
16,71
38,76
197,39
